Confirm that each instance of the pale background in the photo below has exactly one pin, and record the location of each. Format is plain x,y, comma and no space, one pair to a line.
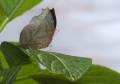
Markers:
88,28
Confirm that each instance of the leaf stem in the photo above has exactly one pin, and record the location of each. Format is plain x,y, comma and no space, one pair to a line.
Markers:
8,18
3,24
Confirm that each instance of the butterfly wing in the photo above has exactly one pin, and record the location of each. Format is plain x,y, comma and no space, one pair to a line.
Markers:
39,32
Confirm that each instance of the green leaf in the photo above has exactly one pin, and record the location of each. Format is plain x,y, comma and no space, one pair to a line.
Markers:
14,56
9,75
27,81
47,77
97,74
15,43
9,9
3,63
1,78
72,67
54,81
28,72
32,74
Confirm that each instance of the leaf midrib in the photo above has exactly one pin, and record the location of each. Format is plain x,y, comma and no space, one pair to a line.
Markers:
62,63
7,82
8,18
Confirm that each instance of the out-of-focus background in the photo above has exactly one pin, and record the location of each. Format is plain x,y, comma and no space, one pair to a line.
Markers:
87,28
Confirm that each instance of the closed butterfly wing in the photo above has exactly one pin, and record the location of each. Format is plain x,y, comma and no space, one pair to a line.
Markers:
39,32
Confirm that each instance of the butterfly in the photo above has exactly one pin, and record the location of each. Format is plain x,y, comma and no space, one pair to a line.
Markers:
40,30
